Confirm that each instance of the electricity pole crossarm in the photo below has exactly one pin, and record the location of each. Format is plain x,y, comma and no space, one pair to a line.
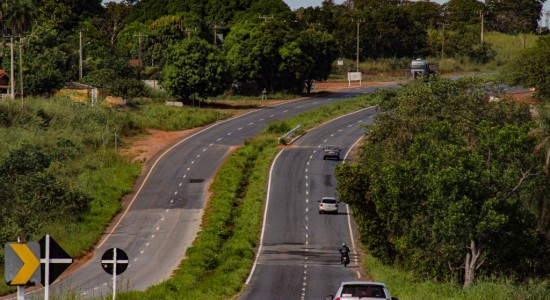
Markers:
189,31
265,18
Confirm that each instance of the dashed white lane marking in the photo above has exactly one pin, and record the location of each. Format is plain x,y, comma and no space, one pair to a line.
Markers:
218,139
147,245
211,144
167,210
175,193
158,228
141,252
184,176
332,135
272,116
188,169
162,219
300,106
171,201
251,123
350,125
180,184
135,259
229,133
204,150
198,155
153,236
285,111
240,128
261,119
192,162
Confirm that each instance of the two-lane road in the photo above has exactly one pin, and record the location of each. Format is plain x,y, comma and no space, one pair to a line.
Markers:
298,257
164,216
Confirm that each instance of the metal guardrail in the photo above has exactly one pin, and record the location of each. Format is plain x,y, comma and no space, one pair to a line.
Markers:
289,133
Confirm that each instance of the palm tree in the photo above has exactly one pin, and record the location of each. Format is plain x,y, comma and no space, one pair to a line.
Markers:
18,15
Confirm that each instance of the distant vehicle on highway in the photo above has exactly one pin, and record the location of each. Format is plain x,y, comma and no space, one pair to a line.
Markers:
364,290
328,205
331,152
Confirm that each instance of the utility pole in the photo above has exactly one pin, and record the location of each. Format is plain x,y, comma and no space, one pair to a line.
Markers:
357,52
216,26
139,36
189,31
481,14
12,65
80,55
547,14
443,41
21,69
265,18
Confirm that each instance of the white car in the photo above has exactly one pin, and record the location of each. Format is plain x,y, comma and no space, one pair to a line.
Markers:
364,290
328,205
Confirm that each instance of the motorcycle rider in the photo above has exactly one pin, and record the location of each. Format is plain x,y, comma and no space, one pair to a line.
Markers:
344,252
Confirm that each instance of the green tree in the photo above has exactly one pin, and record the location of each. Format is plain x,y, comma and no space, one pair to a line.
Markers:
114,20
463,13
531,68
195,67
254,55
445,180
514,16
18,15
128,88
321,48
45,63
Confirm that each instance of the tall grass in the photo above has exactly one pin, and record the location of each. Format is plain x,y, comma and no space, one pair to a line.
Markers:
406,286
97,170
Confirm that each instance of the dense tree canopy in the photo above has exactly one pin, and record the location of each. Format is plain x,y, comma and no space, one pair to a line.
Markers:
443,179
195,67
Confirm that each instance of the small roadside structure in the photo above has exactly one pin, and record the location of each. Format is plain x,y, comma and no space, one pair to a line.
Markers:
4,82
79,92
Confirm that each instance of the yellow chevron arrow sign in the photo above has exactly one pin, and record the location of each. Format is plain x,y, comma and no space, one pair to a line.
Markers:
22,262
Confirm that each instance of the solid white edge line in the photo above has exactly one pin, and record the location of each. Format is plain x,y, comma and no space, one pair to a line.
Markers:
265,214
108,235
349,215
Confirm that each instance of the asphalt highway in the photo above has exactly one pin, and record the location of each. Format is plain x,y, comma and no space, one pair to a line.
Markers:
298,257
164,216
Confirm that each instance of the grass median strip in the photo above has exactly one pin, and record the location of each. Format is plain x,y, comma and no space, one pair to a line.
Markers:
221,257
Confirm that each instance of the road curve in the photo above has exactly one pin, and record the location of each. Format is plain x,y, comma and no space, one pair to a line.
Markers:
164,216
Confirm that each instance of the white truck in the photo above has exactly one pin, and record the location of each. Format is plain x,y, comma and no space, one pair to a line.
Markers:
421,68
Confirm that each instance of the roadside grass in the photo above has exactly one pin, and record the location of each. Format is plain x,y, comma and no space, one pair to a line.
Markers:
405,286
222,255
169,118
270,96
97,170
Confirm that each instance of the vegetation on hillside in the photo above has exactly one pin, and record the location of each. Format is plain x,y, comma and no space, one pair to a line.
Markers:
446,171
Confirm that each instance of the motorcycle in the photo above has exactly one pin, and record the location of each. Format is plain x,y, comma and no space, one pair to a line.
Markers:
344,260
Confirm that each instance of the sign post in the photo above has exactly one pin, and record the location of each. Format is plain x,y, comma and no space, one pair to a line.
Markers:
54,261
114,261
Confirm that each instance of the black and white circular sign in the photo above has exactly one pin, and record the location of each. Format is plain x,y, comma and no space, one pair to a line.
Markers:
114,259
